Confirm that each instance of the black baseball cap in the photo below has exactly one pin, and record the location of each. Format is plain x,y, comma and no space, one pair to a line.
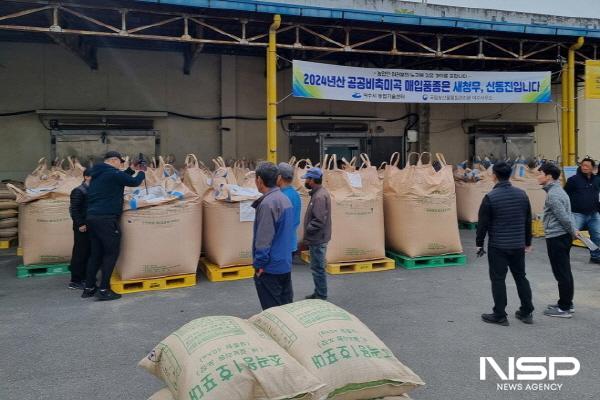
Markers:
114,154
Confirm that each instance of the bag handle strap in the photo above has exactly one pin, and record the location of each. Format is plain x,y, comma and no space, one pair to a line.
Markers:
440,157
408,164
332,162
420,162
366,161
383,165
395,159
325,160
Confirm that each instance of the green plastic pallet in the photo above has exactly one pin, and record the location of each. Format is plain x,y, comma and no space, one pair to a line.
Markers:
27,271
447,260
470,226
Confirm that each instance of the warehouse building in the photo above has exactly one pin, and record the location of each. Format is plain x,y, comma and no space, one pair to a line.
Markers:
179,76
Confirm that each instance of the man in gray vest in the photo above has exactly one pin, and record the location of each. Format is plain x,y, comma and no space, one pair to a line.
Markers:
505,216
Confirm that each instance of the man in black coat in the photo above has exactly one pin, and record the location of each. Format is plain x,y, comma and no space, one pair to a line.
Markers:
81,239
584,192
505,216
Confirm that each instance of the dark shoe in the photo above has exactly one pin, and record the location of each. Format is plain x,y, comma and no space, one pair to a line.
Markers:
525,318
88,292
107,294
76,285
557,312
495,319
315,296
571,310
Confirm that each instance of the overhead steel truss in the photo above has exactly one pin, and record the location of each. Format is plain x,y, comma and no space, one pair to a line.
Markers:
57,18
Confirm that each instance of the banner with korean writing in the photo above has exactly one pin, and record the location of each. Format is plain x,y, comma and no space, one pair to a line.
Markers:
334,82
592,79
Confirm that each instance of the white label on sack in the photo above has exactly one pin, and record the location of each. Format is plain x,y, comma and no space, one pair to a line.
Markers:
355,179
247,213
236,190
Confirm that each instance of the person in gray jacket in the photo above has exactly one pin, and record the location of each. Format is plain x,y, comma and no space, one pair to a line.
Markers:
317,230
559,229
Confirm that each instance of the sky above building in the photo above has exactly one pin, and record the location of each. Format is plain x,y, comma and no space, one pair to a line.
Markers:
572,8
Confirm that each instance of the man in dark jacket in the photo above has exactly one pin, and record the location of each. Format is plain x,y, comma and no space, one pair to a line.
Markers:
505,216
317,230
584,194
105,206
274,235
81,239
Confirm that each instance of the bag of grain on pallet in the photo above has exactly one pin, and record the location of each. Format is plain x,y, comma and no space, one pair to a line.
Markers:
471,187
228,219
220,357
420,209
356,212
45,228
525,177
339,349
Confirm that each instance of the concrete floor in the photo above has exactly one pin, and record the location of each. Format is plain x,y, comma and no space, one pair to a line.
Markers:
55,345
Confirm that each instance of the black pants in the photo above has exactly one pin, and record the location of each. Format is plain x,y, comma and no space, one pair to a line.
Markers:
274,290
105,238
80,255
500,261
559,252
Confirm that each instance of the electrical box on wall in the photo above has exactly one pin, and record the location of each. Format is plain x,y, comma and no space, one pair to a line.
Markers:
412,136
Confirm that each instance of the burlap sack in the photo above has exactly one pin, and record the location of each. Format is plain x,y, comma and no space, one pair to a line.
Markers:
10,213
356,213
8,204
8,223
45,231
8,233
240,170
470,194
420,209
196,175
526,178
218,358
337,347
42,183
6,194
164,240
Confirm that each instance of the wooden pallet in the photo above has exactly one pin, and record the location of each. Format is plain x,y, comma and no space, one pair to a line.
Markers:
8,243
214,273
537,228
447,260
578,242
354,267
147,285
470,226
28,271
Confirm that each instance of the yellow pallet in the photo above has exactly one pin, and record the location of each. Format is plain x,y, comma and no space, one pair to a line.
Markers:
578,242
7,243
537,228
355,267
214,273
146,285
20,251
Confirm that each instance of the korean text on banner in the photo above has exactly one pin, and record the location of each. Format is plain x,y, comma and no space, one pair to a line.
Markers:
334,82
592,79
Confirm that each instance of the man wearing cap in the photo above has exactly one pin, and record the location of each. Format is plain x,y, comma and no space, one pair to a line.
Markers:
317,229
105,206
284,181
81,238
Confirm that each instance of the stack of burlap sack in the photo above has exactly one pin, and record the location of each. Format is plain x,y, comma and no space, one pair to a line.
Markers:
306,350
420,207
45,228
9,212
357,232
227,193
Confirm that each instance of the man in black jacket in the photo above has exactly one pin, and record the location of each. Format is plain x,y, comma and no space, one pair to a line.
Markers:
505,215
105,206
81,239
584,194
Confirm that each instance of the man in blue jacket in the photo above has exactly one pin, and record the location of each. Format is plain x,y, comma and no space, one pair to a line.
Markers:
272,241
584,194
105,206
286,175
